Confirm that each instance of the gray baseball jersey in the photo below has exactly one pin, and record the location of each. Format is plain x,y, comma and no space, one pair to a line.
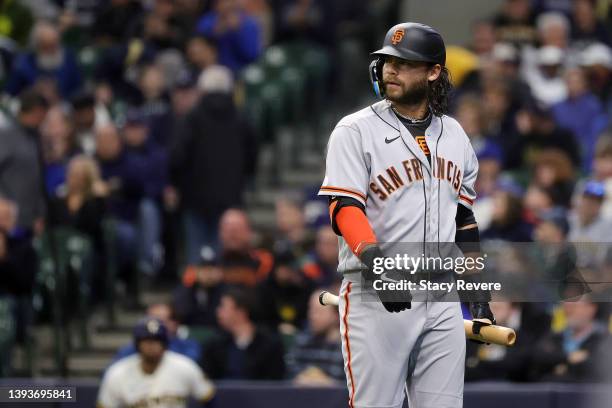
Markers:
374,159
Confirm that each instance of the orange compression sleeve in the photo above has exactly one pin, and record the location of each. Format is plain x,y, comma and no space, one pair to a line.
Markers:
355,228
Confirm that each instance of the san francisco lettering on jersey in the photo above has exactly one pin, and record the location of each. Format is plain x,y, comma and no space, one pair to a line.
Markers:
385,184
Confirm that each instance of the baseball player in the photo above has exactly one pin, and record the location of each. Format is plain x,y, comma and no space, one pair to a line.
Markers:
400,170
155,377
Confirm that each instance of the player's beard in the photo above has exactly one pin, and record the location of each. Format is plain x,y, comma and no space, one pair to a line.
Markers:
415,95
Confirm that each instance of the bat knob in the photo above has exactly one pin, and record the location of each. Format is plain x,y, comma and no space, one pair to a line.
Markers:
321,298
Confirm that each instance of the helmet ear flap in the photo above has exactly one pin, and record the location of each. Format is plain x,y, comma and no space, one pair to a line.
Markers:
376,77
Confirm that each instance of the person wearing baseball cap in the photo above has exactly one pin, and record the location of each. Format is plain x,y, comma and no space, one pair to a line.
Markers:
155,376
587,224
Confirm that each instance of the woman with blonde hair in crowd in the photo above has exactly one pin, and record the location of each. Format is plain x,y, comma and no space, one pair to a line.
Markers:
81,204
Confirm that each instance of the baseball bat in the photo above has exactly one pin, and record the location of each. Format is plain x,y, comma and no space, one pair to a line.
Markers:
493,334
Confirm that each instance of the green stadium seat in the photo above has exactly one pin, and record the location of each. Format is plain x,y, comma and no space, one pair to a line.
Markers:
202,334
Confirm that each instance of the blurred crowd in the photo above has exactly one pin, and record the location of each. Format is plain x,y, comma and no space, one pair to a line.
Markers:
123,119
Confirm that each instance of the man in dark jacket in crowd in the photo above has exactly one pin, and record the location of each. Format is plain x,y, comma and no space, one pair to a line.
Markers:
196,299
315,357
18,266
284,294
245,351
580,353
21,161
537,130
135,172
212,160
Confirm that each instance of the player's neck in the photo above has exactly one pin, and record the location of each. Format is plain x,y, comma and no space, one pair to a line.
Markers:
149,367
412,112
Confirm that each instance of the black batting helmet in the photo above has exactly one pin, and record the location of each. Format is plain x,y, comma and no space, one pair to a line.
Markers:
414,42
409,41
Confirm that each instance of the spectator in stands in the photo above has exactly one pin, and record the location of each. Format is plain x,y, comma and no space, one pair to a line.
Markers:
201,53
555,257
498,111
537,200
602,171
196,299
48,59
483,37
18,267
242,263
82,205
582,113
587,226
321,265
122,187
164,313
553,170
58,145
493,362
537,131
155,106
545,77
470,114
183,98
507,221
580,353
159,26
596,59
238,35
553,30
291,226
146,164
154,376
119,66
87,115
489,162
115,20
515,23
284,295
21,164
315,357
586,27
213,136
305,20
244,351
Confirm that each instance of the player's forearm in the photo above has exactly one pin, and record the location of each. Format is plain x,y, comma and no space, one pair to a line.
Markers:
354,227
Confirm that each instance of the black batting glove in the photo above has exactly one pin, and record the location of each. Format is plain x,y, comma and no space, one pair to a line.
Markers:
481,316
394,301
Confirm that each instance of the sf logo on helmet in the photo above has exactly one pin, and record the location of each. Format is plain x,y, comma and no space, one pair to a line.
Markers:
397,36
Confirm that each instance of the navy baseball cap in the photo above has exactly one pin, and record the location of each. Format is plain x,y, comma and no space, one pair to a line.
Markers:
594,189
151,328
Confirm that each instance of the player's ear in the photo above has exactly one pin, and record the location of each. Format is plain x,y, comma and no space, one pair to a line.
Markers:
434,72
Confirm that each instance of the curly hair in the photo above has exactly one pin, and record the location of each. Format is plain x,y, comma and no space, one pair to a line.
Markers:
439,91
